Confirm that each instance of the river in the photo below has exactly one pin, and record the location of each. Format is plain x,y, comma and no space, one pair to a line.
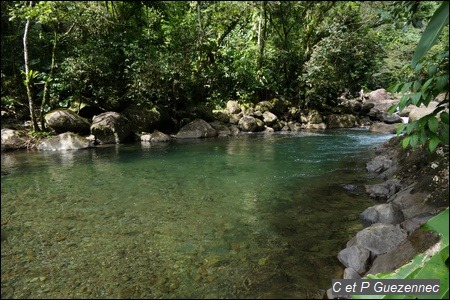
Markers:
252,216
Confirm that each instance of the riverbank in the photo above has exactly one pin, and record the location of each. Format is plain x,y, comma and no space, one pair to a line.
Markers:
414,188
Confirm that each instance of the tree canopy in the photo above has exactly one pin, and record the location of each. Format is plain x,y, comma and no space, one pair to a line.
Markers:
178,54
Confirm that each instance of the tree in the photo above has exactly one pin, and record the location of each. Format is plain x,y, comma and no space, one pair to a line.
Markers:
29,74
431,79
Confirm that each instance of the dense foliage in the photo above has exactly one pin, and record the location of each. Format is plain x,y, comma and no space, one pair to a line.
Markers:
179,54
429,79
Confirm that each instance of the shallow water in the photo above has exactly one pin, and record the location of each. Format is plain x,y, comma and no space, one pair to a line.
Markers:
253,216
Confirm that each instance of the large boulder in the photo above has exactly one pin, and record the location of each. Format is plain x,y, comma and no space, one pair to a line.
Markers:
383,127
391,118
269,118
378,95
419,112
233,107
110,128
65,141
64,120
355,257
385,213
342,121
248,124
384,190
380,238
221,128
156,136
198,128
418,242
13,139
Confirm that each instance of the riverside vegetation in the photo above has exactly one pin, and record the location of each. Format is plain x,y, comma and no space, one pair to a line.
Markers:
161,71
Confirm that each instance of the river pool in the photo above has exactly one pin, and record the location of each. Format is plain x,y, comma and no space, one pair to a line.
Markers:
251,216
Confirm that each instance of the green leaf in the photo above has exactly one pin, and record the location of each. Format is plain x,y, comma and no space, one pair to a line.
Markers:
392,109
403,102
432,32
400,128
442,83
433,124
433,143
444,117
394,88
406,87
411,126
426,84
405,142
432,69
443,134
414,140
416,86
415,98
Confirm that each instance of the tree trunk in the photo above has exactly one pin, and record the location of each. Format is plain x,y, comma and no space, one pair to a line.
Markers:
28,75
49,78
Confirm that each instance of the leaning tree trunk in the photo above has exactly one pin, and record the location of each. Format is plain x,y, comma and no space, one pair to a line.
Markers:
28,75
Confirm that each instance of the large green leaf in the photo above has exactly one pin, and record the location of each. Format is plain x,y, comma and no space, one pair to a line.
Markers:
432,32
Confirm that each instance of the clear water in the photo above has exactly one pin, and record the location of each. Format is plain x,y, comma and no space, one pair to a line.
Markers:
253,216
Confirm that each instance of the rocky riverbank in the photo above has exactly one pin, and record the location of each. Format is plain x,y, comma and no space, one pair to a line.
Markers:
414,188
155,124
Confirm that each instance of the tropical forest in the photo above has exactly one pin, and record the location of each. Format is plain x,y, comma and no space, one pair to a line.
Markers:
224,149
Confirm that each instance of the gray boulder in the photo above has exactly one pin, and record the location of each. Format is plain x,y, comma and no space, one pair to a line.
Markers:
269,118
379,164
349,273
342,121
355,257
382,213
64,120
383,190
417,242
221,128
380,238
391,118
248,124
383,127
156,136
12,139
233,107
110,128
198,128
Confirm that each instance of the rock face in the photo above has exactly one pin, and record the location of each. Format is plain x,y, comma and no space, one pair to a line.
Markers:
196,129
156,137
110,128
63,120
65,141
